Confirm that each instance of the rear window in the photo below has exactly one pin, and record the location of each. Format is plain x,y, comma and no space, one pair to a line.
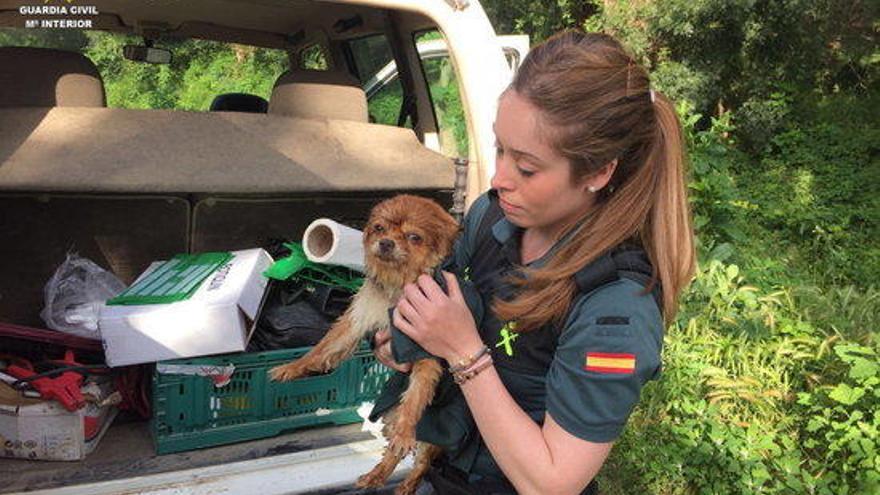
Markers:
378,76
199,70
445,94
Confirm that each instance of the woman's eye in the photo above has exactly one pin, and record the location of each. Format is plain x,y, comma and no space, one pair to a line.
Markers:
416,238
524,172
378,228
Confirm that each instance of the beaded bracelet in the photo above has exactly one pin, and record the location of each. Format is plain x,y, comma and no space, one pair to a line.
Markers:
468,362
465,375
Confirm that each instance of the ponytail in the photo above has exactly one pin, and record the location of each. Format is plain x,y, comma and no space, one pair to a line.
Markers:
669,236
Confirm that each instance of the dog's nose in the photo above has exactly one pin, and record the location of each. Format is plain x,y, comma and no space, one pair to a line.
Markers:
386,246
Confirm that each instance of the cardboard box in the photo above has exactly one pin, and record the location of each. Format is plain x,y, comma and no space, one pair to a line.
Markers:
47,431
218,318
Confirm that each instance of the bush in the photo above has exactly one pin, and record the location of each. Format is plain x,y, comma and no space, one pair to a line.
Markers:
818,186
771,381
681,82
756,399
759,119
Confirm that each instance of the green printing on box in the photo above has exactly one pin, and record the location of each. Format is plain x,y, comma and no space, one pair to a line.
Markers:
190,413
175,280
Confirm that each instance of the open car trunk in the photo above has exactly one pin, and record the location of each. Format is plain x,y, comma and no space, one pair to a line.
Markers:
127,187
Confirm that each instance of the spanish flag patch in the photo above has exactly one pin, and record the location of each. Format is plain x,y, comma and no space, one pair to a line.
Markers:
603,362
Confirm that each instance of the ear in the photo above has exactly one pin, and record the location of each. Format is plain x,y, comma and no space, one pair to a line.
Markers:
600,179
451,233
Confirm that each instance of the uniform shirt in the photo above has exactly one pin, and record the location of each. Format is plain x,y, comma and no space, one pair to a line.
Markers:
588,374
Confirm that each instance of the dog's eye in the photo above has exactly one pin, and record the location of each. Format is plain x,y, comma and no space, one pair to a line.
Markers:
378,228
413,237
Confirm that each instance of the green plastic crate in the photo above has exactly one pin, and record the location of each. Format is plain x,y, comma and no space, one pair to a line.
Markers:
189,412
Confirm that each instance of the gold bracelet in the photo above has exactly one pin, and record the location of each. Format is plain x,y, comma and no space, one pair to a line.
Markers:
468,362
465,375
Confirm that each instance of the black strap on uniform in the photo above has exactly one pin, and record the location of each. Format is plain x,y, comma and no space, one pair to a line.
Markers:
627,261
490,217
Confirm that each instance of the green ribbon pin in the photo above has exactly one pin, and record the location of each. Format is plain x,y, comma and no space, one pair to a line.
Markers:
508,336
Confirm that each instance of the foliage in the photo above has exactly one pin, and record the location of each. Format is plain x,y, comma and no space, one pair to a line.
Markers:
385,105
447,106
745,47
771,378
61,39
830,175
713,197
539,20
199,70
758,58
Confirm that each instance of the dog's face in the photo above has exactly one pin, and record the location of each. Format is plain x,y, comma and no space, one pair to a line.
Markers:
405,237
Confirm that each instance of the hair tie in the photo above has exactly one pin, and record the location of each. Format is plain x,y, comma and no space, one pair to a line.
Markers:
652,96
629,66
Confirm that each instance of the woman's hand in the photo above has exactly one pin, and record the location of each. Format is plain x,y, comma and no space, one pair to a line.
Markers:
441,324
382,351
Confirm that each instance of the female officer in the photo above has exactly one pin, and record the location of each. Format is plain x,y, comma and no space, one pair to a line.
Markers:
587,220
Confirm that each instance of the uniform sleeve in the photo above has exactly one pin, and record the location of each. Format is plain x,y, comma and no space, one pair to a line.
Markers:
608,350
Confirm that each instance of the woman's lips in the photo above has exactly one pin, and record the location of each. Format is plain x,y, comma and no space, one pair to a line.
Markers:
507,206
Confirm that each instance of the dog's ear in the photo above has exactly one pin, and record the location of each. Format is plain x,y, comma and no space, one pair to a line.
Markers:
449,232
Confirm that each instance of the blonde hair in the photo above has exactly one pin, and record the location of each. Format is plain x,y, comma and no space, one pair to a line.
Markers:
598,103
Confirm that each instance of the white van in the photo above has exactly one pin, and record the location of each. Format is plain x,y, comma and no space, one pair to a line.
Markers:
126,186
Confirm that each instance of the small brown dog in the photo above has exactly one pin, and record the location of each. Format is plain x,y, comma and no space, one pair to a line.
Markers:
405,237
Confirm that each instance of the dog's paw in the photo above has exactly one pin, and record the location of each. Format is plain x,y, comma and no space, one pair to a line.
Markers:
403,442
407,487
287,372
374,479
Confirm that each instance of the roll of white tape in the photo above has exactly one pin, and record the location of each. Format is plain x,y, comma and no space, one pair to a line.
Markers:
332,243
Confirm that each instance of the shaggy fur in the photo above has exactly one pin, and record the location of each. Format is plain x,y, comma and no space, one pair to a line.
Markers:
405,237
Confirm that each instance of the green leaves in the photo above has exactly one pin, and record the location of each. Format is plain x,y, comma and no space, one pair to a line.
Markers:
862,360
846,395
761,392
199,71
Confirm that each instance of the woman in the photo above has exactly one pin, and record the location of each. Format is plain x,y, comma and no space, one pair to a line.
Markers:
591,221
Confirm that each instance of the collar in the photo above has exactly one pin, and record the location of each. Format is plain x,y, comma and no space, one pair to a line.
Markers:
506,234
509,236
503,229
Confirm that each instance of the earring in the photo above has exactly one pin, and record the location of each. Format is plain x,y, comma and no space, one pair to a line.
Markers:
592,189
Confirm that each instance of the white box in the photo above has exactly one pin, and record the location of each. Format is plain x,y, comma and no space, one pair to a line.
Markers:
47,431
216,319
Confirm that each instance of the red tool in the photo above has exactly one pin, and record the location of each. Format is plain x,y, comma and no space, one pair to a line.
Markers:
64,388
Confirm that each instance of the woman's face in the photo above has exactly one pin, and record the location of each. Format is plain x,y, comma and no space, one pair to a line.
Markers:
532,179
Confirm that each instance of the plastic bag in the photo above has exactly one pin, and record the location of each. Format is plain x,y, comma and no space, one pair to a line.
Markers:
297,313
75,294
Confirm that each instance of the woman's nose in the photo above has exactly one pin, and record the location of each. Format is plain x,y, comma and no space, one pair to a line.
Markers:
501,179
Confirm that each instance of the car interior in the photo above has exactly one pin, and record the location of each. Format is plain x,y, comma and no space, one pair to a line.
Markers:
124,186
